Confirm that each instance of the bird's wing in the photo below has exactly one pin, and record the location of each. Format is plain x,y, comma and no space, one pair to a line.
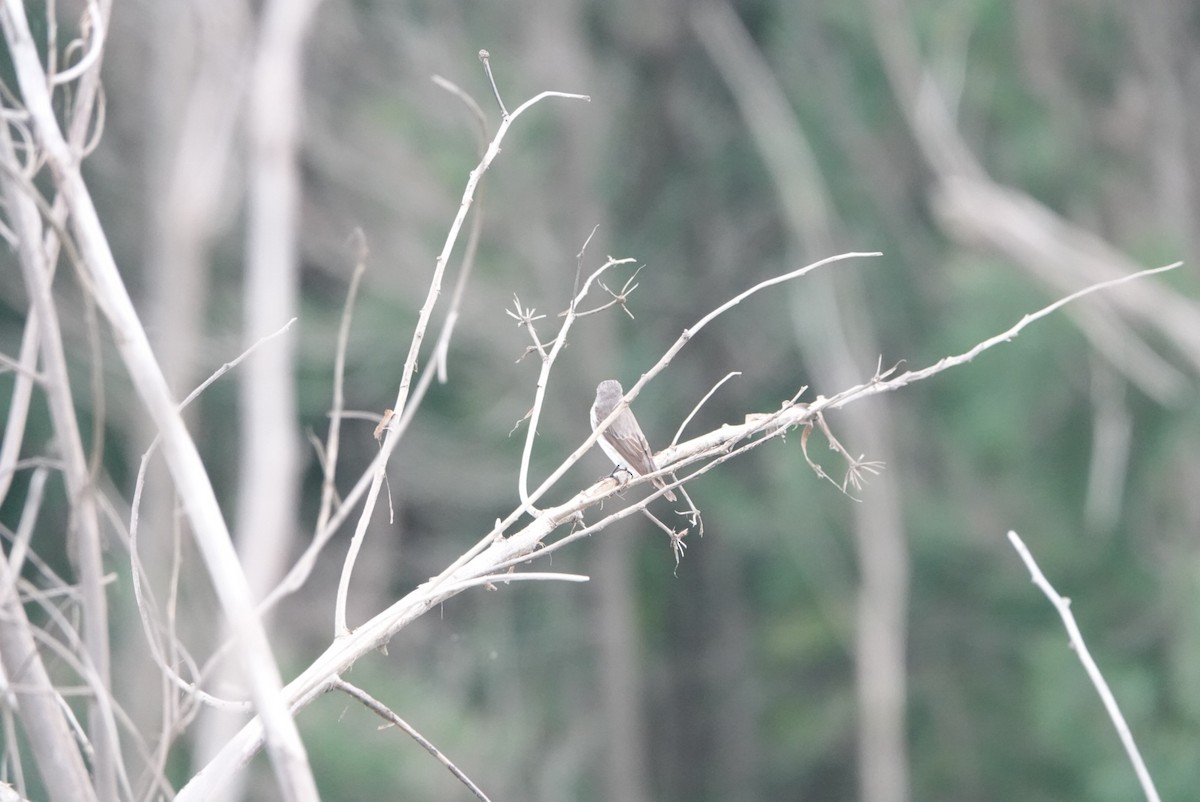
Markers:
634,445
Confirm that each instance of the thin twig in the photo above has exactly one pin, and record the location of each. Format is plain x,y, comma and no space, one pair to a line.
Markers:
579,259
137,573
543,381
383,711
91,56
441,351
700,403
491,580
410,362
856,466
30,509
7,363
875,387
476,112
19,401
678,546
1063,606
328,486
485,57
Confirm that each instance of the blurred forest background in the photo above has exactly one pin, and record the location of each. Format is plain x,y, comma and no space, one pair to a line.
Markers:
1000,155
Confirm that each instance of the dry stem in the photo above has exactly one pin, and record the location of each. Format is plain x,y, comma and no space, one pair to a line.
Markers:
1063,606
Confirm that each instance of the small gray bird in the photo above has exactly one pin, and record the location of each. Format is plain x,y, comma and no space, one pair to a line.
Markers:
623,440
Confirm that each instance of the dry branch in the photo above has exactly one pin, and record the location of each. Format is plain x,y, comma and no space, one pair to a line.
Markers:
183,460
1063,607
496,552
400,406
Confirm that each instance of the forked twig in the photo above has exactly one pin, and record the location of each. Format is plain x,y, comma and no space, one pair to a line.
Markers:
378,465
618,298
857,466
548,359
676,537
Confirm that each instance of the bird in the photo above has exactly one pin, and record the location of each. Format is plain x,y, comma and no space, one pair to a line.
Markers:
623,441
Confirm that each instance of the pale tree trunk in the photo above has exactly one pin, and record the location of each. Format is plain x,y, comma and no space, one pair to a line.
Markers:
732,700
621,686
838,345
269,464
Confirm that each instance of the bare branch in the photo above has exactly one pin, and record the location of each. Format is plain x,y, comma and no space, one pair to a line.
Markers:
661,365
876,386
333,444
543,381
410,362
701,403
495,553
1063,606
490,581
137,574
383,711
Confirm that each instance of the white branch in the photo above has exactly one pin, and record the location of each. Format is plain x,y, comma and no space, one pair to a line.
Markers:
183,460
494,552
1063,606
410,362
